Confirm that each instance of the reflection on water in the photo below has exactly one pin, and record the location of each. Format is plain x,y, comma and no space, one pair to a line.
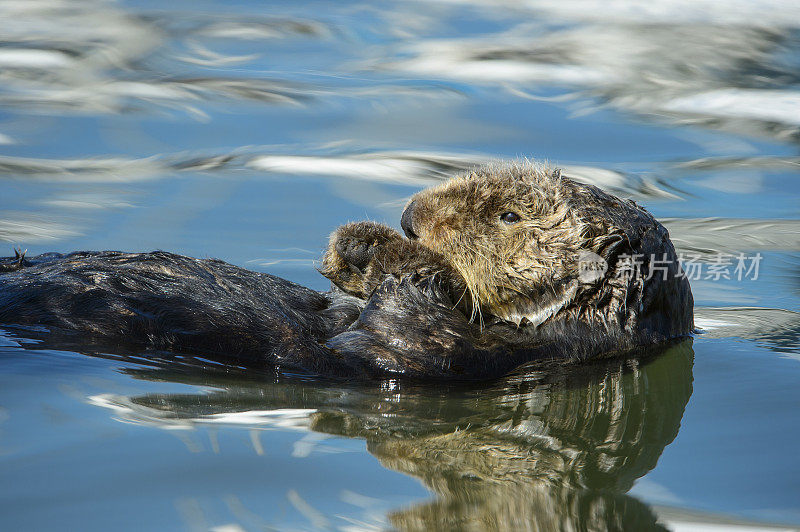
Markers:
536,450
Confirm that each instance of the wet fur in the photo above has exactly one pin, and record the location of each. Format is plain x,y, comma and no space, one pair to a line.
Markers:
520,282
443,306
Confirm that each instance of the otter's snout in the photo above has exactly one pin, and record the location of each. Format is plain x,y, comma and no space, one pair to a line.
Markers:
407,221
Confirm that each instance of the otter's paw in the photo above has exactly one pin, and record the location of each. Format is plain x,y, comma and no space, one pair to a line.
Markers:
351,250
357,243
355,251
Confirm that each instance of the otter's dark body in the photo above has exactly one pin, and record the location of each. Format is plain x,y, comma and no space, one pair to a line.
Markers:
169,302
490,276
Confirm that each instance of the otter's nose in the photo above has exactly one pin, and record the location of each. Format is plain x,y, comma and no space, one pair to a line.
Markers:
406,221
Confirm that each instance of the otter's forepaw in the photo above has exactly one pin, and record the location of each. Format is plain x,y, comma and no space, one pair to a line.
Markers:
357,243
351,250
355,252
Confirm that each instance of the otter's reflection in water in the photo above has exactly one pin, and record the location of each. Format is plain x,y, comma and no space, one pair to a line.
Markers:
541,450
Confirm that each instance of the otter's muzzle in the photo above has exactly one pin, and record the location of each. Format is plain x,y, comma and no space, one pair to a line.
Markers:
407,221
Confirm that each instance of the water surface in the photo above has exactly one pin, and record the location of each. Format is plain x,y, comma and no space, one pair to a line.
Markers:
249,131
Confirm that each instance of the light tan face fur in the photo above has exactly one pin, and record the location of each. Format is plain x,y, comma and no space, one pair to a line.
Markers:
525,269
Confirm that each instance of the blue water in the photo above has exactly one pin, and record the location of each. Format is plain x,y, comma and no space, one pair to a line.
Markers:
249,131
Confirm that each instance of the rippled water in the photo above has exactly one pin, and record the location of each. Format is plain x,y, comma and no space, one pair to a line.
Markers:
248,132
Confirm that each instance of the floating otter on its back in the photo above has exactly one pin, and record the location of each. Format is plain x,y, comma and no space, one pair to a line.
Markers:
502,266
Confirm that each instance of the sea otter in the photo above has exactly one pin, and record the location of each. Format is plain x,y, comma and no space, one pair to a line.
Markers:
499,267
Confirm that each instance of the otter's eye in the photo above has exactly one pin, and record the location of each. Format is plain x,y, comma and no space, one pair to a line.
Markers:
510,217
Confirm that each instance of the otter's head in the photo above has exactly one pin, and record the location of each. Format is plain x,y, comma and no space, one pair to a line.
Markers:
515,233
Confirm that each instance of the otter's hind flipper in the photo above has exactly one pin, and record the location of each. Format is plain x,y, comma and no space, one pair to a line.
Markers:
12,264
21,260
